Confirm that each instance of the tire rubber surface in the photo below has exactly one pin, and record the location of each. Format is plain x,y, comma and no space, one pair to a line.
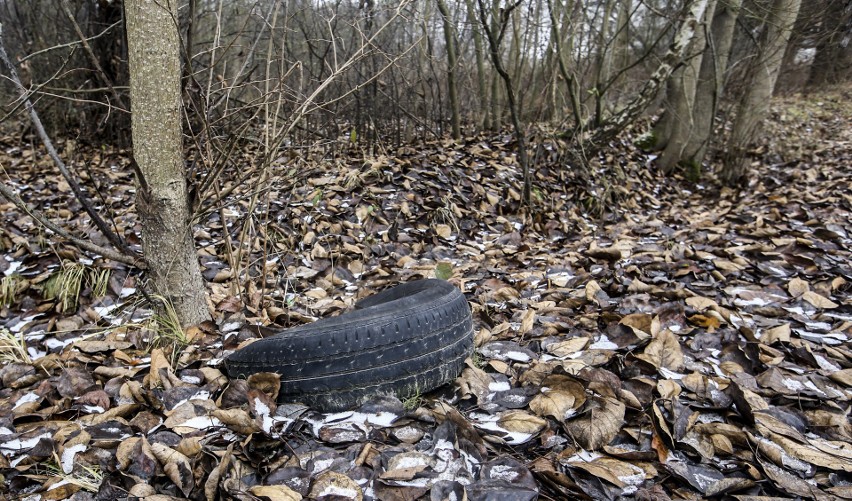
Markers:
403,341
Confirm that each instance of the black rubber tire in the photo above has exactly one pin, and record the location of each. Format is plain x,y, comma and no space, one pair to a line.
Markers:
402,341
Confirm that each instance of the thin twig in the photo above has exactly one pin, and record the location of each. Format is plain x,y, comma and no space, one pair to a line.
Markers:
70,44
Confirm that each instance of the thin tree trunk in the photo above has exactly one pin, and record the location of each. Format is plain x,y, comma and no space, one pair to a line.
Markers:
494,38
481,81
762,76
162,202
602,63
570,79
621,47
711,80
494,108
450,39
682,85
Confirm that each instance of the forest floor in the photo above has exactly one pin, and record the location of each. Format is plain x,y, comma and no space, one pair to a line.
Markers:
689,342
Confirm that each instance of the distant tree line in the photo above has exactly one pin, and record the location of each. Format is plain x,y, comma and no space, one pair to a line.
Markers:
429,68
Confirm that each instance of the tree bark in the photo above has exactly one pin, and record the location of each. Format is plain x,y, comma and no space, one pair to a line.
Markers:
670,61
711,80
602,63
682,86
481,81
495,36
162,201
450,39
760,83
569,77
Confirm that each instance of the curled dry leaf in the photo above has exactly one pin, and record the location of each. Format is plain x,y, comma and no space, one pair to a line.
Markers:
336,485
176,466
559,397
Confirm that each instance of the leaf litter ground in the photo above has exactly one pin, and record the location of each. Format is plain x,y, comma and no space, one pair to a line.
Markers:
695,345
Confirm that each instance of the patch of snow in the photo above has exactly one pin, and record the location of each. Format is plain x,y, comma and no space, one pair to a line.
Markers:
503,472
811,386
35,353
603,343
18,445
825,364
29,397
55,344
334,490
668,374
20,324
818,326
13,267
411,461
499,386
488,422
517,356
68,454
93,409
321,465
230,326
201,423
584,456
186,378
126,291
632,482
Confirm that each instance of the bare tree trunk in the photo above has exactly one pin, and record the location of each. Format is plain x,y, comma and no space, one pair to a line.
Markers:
481,81
694,11
833,61
682,85
494,38
569,77
494,108
621,47
162,202
450,39
760,83
711,80
602,62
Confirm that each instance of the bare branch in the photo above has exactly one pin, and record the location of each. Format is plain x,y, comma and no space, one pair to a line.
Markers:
113,237
85,245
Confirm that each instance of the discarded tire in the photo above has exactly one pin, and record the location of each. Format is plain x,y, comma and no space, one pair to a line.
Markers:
403,341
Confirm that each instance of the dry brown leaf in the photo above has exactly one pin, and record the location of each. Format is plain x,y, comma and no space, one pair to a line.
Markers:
517,421
664,351
527,321
560,397
843,376
599,424
819,301
796,287
701,303
779,333
275,493
158,361
176,466
568,347
474,382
